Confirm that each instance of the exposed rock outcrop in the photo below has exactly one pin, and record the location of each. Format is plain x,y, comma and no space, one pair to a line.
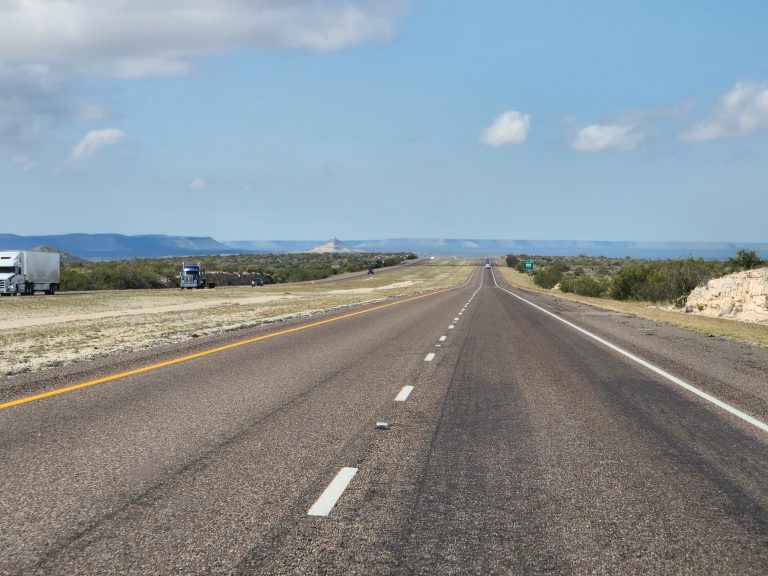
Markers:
740,296
333,245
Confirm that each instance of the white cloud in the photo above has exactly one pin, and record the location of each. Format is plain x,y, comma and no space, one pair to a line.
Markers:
511,127
46,45
598,137
198,183
91,112
138,38
30,97
94,141
25,163
742,110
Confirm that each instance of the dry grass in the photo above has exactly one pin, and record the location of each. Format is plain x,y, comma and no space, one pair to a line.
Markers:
756,334
52,331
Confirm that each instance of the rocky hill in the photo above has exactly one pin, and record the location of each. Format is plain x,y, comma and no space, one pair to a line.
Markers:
739,296
334,245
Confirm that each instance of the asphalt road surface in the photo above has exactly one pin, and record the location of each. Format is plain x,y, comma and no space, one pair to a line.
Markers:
509,442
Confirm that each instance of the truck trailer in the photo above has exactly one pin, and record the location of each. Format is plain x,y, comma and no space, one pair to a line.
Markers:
26,272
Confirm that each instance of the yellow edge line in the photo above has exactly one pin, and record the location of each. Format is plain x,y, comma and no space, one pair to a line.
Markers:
105,379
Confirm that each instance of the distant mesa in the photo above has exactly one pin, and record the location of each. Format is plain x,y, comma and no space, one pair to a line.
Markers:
119,247
334,245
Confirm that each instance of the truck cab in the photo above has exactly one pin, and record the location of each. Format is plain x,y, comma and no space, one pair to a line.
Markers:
10,273
192,277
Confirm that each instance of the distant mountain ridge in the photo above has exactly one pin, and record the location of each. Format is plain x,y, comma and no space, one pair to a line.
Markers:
426,247
119,246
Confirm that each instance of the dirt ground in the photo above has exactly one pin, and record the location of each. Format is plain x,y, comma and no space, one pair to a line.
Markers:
48,331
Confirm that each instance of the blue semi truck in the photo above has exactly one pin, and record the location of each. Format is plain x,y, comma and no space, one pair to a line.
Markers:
192,277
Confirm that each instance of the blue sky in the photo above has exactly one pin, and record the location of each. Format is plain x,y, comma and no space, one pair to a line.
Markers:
305,119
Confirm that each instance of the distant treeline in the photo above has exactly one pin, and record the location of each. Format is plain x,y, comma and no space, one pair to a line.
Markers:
631,279
225,270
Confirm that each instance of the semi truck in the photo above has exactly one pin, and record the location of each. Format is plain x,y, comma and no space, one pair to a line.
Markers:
192,277
27,271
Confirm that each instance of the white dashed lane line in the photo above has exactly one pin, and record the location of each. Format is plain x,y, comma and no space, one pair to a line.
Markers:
331,495
451,327
443,338
404,393
429,357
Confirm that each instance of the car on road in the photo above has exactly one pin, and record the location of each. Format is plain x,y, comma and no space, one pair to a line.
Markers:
487,266
257,282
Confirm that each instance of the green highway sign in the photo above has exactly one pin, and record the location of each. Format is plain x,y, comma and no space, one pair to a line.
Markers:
528,266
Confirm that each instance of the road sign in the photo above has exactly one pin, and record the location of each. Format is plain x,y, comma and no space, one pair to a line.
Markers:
528,266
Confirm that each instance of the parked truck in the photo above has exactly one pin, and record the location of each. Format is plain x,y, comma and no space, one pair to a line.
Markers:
26,271
192,277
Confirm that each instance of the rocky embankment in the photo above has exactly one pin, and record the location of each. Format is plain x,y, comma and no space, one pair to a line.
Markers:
740,296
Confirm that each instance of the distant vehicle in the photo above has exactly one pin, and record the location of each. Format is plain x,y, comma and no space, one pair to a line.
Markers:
488,266
25,272
192,277
257,282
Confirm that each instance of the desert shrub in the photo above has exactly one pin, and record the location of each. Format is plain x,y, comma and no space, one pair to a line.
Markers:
628,281
226,269
745,260
584,285
666,281
512,261
549,276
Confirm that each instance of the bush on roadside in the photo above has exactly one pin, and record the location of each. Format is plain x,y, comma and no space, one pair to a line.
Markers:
548,277
584,285
228,269
745,260
667,281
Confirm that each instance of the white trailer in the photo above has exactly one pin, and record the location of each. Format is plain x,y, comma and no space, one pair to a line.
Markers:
25,272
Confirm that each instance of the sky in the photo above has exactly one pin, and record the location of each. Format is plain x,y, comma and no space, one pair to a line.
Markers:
306,119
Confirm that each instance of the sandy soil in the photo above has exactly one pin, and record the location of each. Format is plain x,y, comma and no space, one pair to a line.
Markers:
142,311
42,331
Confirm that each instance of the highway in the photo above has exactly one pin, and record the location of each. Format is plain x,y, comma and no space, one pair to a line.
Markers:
509,442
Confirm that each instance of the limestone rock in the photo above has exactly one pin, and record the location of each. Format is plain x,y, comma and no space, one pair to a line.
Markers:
739,296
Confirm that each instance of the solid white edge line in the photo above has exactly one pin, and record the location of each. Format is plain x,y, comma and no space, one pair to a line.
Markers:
429,357
327,500
404,393
674,379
